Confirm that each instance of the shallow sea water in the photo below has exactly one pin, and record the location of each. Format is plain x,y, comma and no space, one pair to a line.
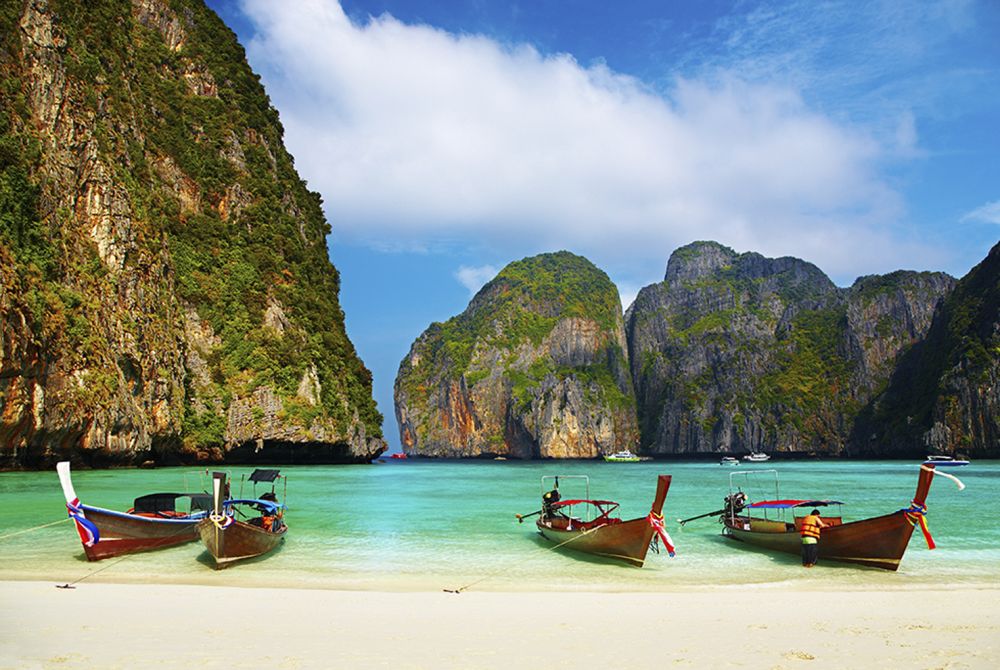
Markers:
431,525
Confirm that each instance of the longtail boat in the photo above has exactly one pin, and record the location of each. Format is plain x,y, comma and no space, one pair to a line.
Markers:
591,526
878,542
155,521
230,539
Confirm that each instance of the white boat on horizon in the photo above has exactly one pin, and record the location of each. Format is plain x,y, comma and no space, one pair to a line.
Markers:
728,460
756,457
944,460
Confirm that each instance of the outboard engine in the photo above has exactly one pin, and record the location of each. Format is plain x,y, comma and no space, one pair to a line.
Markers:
733,504
548,499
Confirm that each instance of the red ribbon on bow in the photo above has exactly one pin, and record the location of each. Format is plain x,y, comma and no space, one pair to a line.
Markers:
656,521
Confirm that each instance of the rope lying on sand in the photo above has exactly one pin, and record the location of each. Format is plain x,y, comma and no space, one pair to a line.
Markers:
496,572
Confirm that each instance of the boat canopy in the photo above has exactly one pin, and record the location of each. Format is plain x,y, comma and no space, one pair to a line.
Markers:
155,503
785,504
265,505
599,503
260,475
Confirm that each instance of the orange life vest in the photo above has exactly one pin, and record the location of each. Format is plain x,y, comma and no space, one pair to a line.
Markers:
810,526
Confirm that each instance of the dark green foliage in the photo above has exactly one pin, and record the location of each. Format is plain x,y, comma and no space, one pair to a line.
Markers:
20,229
523,303
526,299
962,347
203,429
519,308
811,368
231,255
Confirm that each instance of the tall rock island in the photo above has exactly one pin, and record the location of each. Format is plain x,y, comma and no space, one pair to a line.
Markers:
165,288
944,396
535,367
737,352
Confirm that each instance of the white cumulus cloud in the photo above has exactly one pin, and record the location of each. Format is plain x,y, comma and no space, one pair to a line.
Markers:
988,213
474,278
413,134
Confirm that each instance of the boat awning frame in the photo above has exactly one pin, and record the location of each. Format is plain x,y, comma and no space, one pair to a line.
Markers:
266,505
787,504
598,503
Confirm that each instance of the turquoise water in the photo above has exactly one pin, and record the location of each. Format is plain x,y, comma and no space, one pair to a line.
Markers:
427,525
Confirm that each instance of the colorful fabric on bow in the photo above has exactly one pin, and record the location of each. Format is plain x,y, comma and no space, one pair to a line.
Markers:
221,521
89,534
917,514
656,521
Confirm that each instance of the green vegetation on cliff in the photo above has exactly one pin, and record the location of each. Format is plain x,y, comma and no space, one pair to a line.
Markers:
811,374
740,352
545,326
162,94
522,304
950,377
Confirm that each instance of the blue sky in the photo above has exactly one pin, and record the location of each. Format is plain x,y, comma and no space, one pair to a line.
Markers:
450,138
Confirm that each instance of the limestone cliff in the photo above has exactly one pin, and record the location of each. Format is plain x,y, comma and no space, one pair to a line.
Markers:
535,367
737,352
944,396
165,289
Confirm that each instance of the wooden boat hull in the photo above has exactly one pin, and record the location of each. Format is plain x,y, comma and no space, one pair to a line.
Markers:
238,541
878,542
625,540
123,533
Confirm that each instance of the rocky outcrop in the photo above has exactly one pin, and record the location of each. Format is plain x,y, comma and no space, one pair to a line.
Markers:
166,291
737,352
534,368
944,395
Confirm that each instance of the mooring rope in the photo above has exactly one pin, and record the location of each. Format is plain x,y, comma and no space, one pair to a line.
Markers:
70,585
494,573
28,530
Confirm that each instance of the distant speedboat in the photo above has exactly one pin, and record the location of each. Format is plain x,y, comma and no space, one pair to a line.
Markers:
756,457
728,460
944,460
624,456
398,456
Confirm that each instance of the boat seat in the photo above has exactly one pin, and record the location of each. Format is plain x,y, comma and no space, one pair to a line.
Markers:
768,526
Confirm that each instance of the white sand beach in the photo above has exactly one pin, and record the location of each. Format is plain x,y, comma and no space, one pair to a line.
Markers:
176,626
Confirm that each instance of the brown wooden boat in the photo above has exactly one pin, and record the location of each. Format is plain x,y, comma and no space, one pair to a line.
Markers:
155,521
603,534
878,542
230,539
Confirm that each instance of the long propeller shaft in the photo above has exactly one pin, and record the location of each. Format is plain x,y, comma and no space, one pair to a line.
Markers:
701,516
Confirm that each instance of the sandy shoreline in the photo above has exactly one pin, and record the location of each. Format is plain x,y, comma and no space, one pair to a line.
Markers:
175,626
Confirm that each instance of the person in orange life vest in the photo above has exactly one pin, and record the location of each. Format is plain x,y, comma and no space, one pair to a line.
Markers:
811,526
268,520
